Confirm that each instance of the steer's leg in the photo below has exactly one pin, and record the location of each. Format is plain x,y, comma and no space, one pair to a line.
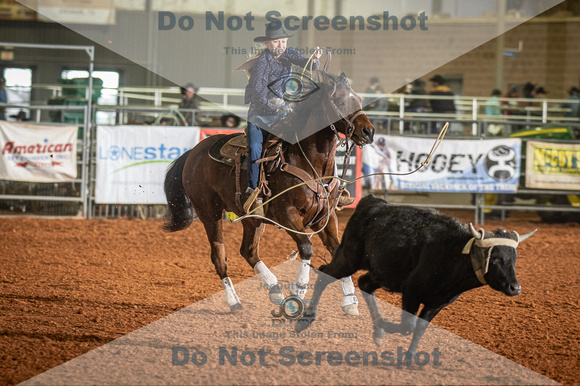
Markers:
427,314
368,287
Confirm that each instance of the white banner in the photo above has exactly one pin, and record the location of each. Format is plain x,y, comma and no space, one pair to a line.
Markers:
132,161
458,165
38,153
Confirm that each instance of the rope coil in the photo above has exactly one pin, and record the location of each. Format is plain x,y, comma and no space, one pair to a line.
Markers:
425,163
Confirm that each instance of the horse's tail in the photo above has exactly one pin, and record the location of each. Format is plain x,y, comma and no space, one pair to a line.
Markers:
179,210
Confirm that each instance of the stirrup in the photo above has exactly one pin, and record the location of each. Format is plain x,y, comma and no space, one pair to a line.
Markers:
250,201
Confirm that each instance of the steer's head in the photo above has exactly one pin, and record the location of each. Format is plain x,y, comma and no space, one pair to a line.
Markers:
494,255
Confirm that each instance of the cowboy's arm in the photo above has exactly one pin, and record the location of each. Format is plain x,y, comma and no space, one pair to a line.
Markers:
301,60
257,89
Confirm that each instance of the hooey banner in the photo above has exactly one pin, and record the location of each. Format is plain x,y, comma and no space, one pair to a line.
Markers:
476,166
38,153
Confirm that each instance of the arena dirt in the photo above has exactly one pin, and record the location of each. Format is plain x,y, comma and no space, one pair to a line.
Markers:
68,286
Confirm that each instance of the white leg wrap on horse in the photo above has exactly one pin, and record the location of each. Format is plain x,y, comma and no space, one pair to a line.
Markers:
265,274
303,274
299,286
231,296
347,285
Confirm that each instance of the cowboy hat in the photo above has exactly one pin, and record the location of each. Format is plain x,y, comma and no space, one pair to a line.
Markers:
273,33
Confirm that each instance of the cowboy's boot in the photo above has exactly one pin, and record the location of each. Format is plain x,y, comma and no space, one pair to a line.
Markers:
344,200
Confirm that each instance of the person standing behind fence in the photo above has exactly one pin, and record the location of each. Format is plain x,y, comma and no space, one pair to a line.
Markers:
493,111
440,106
3,98
190,102
573,104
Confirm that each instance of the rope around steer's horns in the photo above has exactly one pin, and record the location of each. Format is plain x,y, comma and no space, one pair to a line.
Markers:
426,162
481,265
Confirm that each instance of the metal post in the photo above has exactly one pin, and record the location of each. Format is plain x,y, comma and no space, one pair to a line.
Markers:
499,48
474,117
402,114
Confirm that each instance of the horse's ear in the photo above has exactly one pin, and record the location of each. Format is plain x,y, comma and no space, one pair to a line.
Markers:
343,78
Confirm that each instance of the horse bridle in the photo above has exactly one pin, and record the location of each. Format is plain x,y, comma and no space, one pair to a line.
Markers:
349,122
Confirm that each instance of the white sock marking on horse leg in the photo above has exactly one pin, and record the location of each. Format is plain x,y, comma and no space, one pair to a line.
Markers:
231,296
265,274
303,274
347,285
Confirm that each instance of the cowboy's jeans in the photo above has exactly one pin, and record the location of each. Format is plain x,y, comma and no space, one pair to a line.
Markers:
255,137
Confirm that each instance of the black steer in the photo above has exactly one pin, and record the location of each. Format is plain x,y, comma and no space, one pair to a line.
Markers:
429,257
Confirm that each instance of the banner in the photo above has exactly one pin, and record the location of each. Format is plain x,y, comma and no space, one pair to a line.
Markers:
474,166
132,161
38,153
552,165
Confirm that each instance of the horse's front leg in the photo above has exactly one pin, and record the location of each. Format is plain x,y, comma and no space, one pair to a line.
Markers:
299,286
249,250
329,237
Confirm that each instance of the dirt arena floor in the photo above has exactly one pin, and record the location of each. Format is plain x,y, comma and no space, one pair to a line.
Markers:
69,286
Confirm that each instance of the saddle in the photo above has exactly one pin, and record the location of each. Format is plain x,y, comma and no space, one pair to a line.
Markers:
232,150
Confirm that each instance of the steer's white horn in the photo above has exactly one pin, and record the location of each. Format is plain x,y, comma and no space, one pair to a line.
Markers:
529,234
476,234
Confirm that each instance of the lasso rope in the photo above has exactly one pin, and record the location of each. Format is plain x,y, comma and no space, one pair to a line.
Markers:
426,162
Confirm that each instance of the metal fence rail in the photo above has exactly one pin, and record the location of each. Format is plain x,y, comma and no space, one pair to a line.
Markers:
77,197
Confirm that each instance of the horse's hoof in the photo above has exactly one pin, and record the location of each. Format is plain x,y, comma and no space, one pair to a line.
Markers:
351,309
236,307
276,296
298,290
378,336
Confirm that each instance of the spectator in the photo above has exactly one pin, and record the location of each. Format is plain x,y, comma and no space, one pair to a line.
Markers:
511,107
540,92
20,117
412,105
528,91
189,101
418,105
230,121
440,106
492,108
370,103
573,104
380,105
3,98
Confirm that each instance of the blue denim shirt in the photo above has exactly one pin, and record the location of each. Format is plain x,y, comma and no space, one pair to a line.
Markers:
265,71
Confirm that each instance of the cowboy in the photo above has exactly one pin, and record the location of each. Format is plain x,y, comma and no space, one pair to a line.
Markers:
269,70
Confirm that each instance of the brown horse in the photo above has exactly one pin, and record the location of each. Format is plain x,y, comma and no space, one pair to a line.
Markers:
195,180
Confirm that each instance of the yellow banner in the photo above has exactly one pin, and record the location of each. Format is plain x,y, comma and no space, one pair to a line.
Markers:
552,165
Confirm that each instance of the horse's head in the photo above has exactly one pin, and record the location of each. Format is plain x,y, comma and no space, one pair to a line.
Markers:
347,107
326,100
